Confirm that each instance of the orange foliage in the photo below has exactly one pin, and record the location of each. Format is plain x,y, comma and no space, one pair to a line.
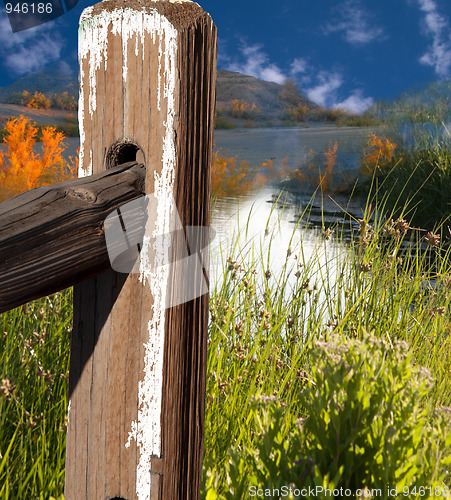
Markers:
331,158
322,178
282,172
242,109
38,101
377,155
230,177
21,168
298,113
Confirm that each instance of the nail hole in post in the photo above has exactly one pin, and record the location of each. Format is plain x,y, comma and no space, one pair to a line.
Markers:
123,152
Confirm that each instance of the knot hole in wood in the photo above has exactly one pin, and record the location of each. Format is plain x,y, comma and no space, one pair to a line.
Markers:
122,152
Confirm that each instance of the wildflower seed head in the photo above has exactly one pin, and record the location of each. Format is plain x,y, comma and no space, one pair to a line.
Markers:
7,388
402,226
439,310
432,239
328,233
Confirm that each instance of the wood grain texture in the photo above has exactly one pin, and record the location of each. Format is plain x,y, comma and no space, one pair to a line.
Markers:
113,313
185,358
58,233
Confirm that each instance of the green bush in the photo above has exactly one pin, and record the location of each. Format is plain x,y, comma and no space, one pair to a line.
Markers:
367,429
221,122
38,100
69,126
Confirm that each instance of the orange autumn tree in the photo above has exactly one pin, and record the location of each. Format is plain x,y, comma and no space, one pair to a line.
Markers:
38,101
22,168
377,154
242,109
230,177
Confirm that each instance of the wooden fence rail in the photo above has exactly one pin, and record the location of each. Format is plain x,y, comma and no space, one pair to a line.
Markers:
53,237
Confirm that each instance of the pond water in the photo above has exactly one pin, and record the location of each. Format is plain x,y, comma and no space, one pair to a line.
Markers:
266,215
296,144
267,224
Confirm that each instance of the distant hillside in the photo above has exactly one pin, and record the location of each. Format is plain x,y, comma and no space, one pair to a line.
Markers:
56,78
269,98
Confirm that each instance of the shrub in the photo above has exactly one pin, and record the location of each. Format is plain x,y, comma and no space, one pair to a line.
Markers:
21,168
221,122
38,101
296,113
64,101
378,155
418,180
69,126
242,109
19,98
367,428
230,177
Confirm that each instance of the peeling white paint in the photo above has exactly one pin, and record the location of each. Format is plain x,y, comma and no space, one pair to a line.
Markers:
93,51
155,273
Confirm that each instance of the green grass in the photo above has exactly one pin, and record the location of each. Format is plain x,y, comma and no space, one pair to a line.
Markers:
69,127
418,178
261,322
34,355
419,181
258,332
221,122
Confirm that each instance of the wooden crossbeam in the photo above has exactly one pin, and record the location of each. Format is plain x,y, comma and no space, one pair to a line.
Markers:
52,237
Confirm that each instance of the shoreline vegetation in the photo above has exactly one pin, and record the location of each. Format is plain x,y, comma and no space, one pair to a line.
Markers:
333,372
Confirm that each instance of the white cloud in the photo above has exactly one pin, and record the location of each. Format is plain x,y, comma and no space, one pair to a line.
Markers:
324,92
299,65
355,23
29,50
438,29
355,103
256,63
321,87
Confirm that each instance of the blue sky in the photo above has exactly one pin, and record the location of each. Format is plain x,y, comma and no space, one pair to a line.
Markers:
347,53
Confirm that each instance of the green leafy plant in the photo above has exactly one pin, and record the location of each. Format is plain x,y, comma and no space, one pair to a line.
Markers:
368,429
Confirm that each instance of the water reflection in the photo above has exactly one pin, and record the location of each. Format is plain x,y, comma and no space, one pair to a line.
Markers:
272,231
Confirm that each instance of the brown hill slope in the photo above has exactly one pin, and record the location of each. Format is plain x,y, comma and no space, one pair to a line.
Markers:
56,78
269,97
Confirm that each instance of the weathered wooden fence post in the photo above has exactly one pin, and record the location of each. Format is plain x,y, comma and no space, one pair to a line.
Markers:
138,369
